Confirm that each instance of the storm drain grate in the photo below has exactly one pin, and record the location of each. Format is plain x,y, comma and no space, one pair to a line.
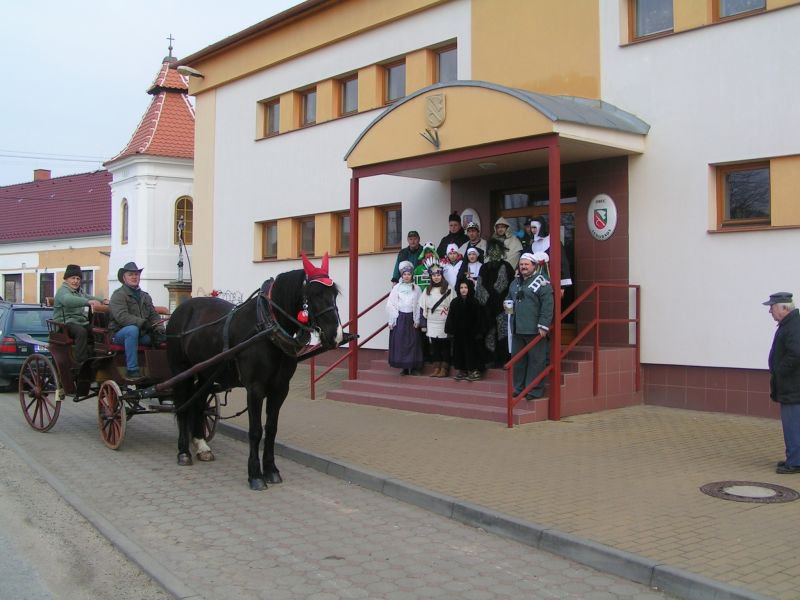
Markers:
750,491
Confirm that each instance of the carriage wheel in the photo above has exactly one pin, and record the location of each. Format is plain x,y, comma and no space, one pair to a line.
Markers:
39,392
210,417
111,415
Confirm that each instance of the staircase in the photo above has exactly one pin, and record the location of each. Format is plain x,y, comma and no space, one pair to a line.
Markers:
381,385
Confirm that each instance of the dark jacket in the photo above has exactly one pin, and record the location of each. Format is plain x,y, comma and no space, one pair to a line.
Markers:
408,254
459,238
784,361
132,307
466,320
533,304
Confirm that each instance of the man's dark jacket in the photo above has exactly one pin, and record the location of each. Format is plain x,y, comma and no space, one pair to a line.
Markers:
784,361
408,254
459,238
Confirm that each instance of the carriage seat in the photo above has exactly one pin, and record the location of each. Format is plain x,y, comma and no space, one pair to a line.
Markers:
102,335
58,332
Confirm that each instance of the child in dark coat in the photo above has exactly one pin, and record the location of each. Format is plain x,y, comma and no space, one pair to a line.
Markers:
465,324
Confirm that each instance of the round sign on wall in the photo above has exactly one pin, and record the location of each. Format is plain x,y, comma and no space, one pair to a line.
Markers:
602,217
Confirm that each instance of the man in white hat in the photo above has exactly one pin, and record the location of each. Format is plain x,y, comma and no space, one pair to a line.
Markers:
475,240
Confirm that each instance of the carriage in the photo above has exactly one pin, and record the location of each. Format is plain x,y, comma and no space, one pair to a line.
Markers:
46,381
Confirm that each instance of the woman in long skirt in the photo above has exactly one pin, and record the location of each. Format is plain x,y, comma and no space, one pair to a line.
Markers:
405,349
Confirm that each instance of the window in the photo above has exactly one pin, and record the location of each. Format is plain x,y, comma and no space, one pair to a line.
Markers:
731,8
651,17
743,194
395,81
307,235
269,236
446,65
349,95
87,282
12,287
124,225
309,107
392,227
273,117
47,288
343,233
183,220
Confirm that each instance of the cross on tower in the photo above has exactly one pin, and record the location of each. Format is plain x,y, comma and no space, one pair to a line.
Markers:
171,39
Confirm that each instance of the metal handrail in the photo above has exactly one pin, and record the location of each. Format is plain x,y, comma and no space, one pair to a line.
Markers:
312,365
593,325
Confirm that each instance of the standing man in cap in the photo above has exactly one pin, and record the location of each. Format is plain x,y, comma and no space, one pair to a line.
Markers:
784,375
455,235
70,306
475,241
134,319
411,253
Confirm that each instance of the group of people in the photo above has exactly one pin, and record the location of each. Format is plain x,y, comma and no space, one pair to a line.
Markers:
133,319
474,304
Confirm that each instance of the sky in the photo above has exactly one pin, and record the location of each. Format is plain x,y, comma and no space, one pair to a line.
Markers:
74,74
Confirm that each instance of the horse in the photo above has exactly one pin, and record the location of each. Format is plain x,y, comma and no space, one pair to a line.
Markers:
267,332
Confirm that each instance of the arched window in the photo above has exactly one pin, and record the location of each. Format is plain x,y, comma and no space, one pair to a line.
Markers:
124,227
183,219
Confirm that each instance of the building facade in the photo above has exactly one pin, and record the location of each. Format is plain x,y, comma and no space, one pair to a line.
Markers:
392,114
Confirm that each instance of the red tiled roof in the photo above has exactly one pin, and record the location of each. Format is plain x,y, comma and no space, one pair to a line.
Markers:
167,128
61,207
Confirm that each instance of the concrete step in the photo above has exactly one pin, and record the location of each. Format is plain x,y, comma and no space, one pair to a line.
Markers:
454,391
434,384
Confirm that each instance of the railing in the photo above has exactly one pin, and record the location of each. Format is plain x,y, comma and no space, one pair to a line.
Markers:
350,351
593,325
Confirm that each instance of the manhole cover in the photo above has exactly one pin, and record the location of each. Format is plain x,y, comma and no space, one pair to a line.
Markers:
750,491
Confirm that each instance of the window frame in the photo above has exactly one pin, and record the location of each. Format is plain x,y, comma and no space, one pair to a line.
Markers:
266,239
721,173
300,222
387,76
718,16
343,81
188,219
87,281
272,117
123,233
439,52
47,279
385,210
340,220
305,95
633,13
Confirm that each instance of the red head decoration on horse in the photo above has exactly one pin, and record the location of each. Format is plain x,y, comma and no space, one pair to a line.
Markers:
317,274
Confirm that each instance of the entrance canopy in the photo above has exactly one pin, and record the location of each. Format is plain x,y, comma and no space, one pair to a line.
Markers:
469,114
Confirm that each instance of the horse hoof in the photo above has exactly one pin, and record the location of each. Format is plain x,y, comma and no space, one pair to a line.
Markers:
185,460
257,485
205,456
273,478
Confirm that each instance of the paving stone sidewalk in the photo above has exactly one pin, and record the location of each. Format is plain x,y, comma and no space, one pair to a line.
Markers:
628,478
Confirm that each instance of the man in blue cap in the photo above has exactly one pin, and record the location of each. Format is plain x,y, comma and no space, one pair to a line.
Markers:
784,375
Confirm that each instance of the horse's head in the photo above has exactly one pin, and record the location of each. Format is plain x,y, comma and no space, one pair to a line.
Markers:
320,295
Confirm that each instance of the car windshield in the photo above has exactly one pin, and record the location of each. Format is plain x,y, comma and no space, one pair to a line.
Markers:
29,321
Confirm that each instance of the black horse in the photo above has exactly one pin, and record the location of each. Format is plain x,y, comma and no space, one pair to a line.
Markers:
270,329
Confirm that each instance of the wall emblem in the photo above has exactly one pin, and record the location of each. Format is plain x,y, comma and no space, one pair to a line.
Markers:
602,217
435,110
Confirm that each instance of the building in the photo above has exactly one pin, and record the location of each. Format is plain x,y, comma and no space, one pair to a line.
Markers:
337,126
49,223
151,192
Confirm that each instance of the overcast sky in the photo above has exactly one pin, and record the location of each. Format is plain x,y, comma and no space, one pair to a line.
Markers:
75,73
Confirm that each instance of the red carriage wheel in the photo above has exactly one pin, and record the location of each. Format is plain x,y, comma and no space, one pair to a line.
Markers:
39,392
210,417
111,414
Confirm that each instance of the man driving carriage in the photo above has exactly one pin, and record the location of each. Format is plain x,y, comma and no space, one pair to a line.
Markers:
69,307
134,319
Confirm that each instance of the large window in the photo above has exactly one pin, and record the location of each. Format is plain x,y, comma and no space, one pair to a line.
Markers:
309,107
446,64
348,89
651,17
392,227
272,111
395,81
123,234
47,288
743,194
343,233
183,220
12,287
307,235
732,8
269,236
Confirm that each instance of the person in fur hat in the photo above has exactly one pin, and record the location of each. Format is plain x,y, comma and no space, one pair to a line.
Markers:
502,231
455,235
465,324
405,349
434,306
70,307
495,278
531,314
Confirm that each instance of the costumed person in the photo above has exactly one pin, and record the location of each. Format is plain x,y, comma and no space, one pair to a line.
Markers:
451,265
540,242
494,280
455,235
71,306
475,240
465,324
405,350
434,306
426,258
409,253
784,376
530,307
502,232
133,319
471,268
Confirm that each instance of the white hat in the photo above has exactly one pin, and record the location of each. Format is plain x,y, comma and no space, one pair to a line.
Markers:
405,266
536,258
473,250
451,248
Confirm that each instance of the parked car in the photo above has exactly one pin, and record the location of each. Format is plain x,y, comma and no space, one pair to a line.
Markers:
16,319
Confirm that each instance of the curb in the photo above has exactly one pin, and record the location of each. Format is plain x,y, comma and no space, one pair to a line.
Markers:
667,579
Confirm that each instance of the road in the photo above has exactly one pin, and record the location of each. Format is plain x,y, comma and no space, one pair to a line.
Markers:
201,533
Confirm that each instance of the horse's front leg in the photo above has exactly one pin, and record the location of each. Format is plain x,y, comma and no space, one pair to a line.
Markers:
274,403
255,399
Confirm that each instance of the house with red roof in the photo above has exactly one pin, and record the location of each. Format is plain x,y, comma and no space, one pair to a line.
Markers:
151,188
49,223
